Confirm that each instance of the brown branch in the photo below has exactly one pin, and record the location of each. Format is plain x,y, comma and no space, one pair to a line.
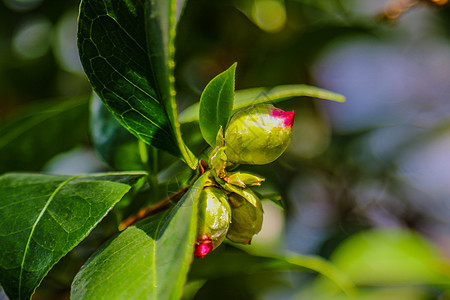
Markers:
396,8
163,204
154,209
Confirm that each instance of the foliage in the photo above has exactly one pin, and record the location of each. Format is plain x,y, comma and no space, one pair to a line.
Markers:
156,165
45,216
128,62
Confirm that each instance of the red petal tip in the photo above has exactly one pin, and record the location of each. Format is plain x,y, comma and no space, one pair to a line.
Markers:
287,116
203,248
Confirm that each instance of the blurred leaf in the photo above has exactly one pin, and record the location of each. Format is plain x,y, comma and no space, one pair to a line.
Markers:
228,262
331,6
126,49
191,288
391,257
42,217
314,263
116,145
410,293
249,260
314,291
322,267
216,104
266,95
31,139
147,260
273,197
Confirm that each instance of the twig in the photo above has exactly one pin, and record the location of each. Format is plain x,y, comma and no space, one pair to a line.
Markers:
156,208
396,8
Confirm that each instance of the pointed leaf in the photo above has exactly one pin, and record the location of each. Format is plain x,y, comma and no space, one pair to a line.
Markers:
216,104
149,260
236,262
280,93
266,95
42,217
125,55
163,16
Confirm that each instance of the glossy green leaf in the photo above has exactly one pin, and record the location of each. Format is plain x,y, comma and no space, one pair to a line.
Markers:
281,93
126,48
266,95
163,16
216,104
28,141
149,260
42,217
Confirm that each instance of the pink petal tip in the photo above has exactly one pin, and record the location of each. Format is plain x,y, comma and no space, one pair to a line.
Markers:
202,248
287,116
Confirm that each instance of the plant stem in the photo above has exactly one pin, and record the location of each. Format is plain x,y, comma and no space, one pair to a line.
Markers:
150,166
155,208
143,152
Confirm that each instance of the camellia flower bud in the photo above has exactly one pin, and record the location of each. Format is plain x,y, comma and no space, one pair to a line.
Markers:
214,216
246,219
258,134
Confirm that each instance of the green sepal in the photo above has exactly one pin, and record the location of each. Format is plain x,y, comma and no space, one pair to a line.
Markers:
220,140
246,193
219,162
243,180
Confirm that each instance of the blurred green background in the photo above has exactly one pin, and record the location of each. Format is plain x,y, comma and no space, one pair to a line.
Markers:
365,184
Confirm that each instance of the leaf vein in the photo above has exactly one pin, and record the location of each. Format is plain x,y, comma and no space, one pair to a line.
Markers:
52,196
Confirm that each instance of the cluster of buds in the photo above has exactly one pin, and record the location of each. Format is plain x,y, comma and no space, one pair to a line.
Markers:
227,206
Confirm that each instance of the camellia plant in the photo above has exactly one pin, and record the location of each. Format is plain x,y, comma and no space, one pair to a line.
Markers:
127,51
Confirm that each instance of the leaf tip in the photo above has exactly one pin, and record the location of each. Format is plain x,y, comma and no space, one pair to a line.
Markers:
341,99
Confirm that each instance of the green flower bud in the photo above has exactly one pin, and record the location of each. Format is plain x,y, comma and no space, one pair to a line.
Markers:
246,219
214,216
258,134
